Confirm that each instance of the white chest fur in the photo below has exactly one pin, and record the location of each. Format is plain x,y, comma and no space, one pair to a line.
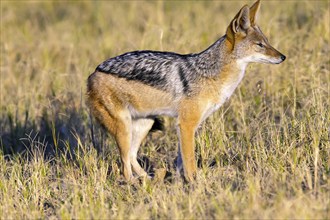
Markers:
226,90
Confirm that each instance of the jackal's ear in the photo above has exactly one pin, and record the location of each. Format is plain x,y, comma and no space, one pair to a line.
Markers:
254,12
239,24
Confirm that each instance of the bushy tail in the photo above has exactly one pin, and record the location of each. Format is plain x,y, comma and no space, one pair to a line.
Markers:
159,125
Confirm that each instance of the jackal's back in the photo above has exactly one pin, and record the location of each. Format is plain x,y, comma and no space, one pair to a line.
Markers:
163,70
167,71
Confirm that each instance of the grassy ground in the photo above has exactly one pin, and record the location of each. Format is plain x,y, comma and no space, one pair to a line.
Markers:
264,154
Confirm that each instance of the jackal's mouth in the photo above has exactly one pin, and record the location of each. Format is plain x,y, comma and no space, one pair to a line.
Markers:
279,60
271,61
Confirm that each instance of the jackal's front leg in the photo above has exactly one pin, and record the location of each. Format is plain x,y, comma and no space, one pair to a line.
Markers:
189,120
188,151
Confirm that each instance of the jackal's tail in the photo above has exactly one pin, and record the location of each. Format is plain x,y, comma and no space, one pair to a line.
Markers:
159,125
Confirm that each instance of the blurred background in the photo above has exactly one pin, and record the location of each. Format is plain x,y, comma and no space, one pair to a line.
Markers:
275,126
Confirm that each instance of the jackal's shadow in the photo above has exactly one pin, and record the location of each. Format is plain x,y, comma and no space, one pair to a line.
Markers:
61,128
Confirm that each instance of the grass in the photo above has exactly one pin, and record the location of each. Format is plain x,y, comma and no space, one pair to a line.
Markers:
264,154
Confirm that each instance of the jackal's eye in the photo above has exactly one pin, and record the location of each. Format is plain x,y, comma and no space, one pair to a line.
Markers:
260,44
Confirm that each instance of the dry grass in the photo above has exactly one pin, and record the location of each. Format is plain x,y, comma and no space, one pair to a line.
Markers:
265,154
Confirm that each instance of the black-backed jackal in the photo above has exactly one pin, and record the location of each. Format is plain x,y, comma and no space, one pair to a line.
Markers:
126,93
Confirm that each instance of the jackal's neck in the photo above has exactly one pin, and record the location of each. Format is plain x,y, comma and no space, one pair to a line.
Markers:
210,61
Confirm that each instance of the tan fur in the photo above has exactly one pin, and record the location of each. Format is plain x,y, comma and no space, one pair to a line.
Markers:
109,97
124,106
193,110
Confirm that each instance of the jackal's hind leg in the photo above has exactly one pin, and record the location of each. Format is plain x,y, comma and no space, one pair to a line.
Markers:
118,123
123,138
140,129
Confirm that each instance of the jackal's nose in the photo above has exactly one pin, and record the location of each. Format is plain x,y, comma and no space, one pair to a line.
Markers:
283,57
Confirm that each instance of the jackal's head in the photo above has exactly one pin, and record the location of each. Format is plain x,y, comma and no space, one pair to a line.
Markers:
246,40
